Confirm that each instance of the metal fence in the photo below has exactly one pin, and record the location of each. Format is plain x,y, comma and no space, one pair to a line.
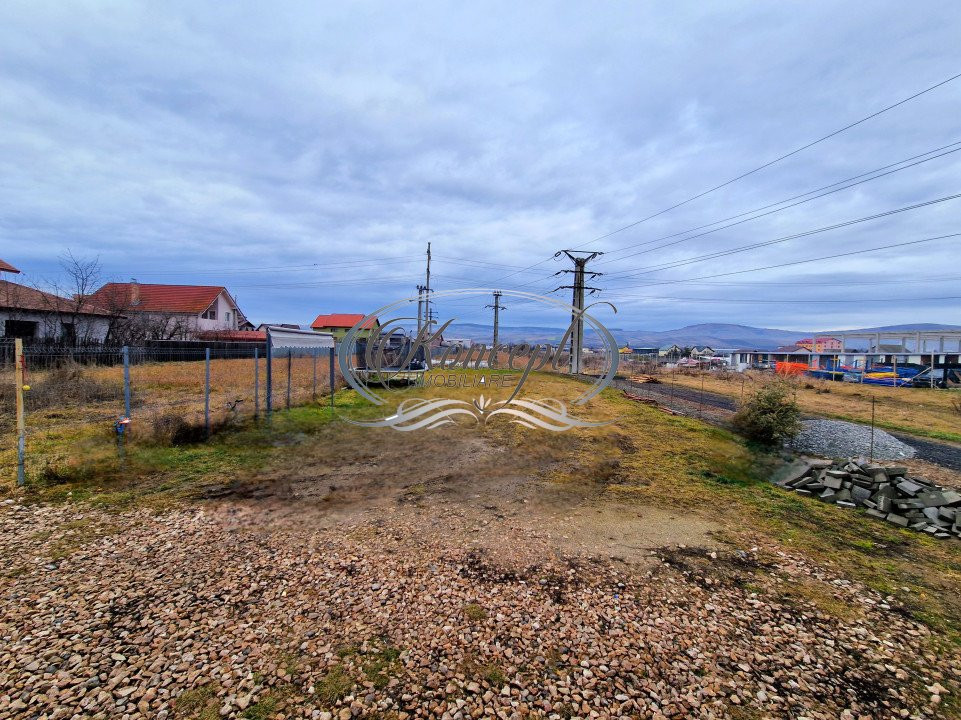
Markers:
47,353
152,393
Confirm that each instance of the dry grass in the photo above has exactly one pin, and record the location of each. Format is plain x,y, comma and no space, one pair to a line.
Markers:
646,457
77,405
919,411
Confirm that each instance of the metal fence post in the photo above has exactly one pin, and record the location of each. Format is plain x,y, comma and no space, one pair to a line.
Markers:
331,373
290,354
207,390
270,376
313,353
256,383
19,365
126,382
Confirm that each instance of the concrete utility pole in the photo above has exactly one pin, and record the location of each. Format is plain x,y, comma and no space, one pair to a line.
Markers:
420,307
497,306
428,315
580,260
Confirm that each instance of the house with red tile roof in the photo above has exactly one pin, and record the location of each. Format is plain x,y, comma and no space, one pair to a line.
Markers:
337,324
7,267
169,312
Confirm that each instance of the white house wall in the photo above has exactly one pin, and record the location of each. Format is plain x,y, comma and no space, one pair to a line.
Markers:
226,316
50,326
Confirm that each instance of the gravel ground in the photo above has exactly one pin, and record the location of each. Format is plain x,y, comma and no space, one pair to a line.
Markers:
210,612
840,439
939,453
718,408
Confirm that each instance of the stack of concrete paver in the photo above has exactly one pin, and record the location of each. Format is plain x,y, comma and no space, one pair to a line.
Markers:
884,491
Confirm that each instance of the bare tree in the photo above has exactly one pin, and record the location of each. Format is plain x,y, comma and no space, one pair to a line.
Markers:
130,326
69,306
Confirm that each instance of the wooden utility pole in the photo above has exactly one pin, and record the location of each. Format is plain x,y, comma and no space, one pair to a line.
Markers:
19,365
577,317
497,306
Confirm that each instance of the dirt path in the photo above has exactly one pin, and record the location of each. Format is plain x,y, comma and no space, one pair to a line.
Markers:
458,473
713,406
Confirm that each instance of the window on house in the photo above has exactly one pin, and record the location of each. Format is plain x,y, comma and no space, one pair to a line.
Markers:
227,316
210,314
20,328
68,332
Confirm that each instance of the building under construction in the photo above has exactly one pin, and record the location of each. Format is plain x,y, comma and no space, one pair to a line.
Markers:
931,348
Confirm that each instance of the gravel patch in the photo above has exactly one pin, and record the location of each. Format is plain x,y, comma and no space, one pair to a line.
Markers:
204,614
840,439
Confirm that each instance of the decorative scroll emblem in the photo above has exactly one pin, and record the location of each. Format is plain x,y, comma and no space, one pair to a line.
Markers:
377,355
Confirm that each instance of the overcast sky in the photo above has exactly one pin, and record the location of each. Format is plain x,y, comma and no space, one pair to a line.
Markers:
303,154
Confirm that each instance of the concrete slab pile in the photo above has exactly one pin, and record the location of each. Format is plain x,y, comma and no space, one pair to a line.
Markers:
883,491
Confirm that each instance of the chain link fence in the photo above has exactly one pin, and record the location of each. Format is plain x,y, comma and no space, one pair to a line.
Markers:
172,394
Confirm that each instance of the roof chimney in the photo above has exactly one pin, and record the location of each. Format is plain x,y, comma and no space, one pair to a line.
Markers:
134,292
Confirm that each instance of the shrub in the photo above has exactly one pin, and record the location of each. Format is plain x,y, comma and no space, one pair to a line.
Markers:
71,383
770,416
173,429
51,475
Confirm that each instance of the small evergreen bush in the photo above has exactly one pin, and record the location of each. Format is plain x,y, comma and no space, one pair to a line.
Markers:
770,416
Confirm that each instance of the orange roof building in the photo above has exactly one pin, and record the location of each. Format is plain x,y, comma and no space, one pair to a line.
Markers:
7,267
337,324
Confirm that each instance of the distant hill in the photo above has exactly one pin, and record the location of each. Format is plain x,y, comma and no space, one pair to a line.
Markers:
717,335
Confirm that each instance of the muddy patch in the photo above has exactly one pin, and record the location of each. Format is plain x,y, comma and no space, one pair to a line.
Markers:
711,569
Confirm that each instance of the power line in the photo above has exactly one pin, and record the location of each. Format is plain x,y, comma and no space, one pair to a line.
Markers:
875,174
790,301
833,283
637,272
802,262
279,268
775,160
458,260
324,283
781,202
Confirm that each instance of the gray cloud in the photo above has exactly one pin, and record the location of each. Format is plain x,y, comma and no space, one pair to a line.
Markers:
198,143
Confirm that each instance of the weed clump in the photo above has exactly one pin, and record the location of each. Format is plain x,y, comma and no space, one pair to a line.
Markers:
51,474
335,685
173,429
475,612
200,703
67,385
770,416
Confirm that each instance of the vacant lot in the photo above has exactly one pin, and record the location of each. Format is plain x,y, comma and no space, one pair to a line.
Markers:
69,404
925,412
313,568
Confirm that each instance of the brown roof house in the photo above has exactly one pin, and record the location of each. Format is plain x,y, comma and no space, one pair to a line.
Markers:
29,313
168,312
